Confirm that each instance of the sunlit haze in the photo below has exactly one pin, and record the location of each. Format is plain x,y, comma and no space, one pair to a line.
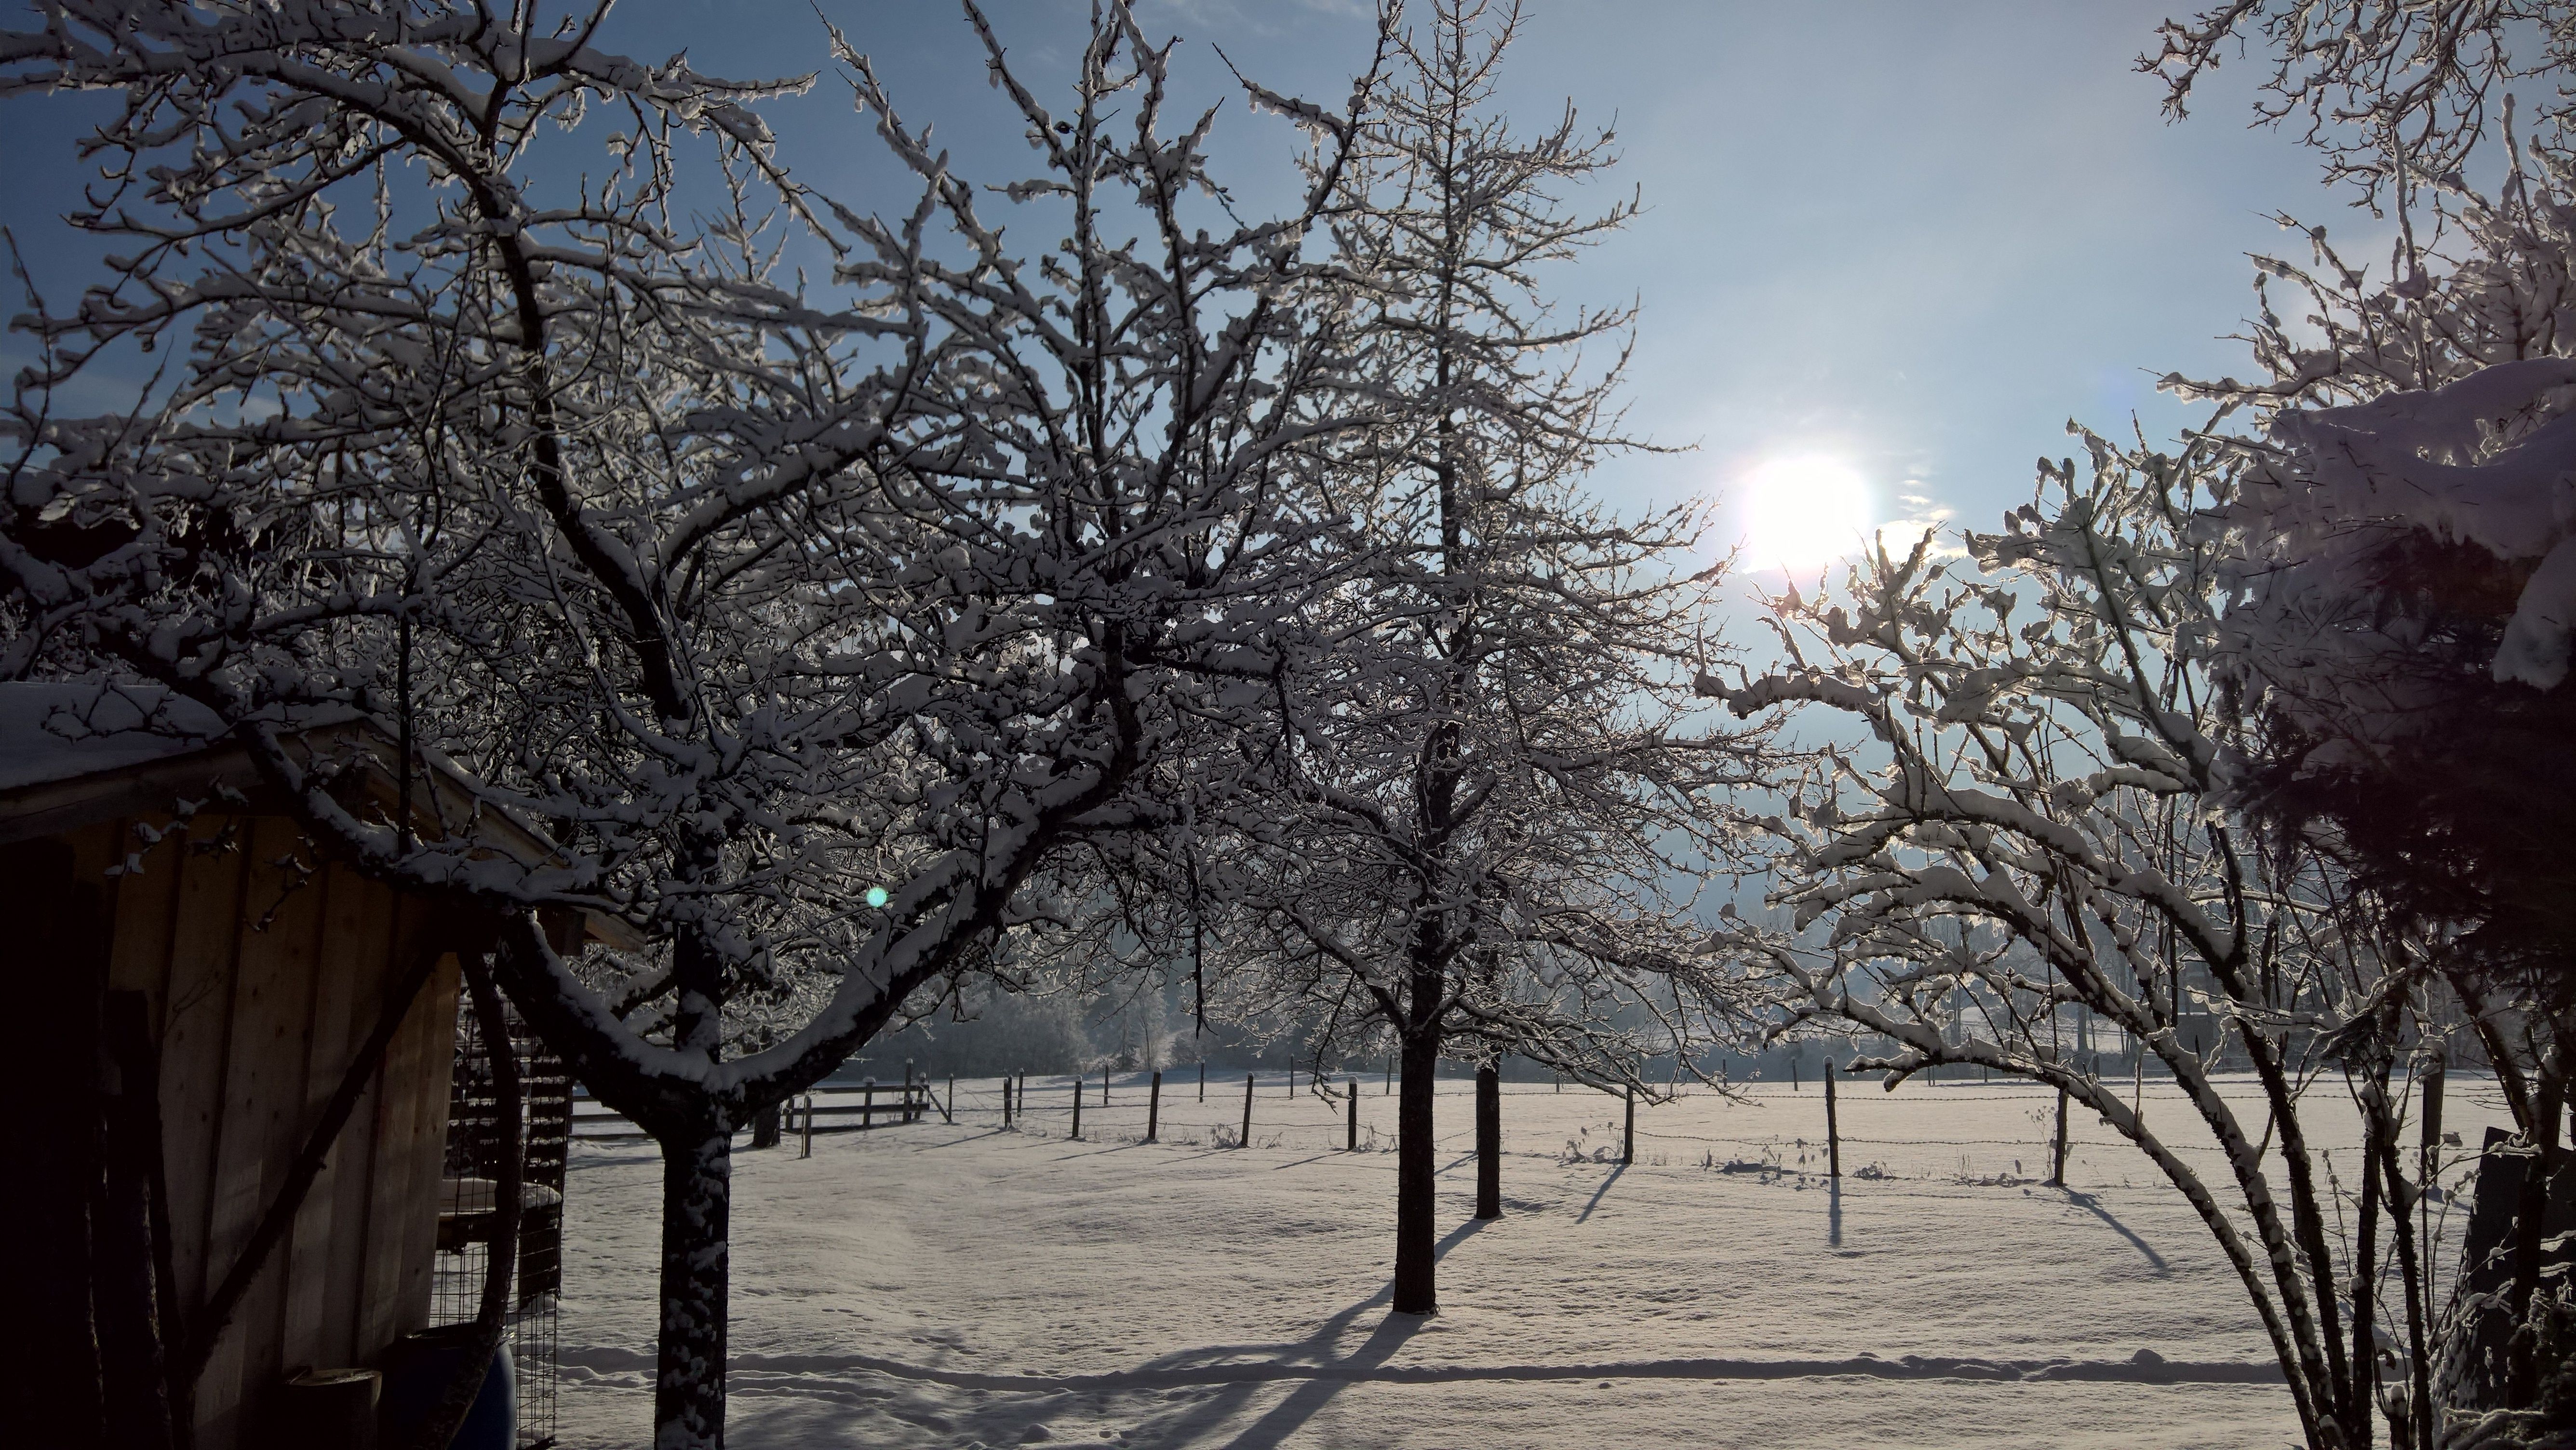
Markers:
1803,512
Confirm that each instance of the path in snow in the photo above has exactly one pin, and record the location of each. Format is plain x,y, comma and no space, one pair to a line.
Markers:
943,1285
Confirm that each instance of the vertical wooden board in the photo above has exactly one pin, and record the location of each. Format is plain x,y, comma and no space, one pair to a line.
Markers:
93,851
390,1191
411,1146
196,1028
147,904
56,1371
263,1101
342,969
428,1149
89,847
374,966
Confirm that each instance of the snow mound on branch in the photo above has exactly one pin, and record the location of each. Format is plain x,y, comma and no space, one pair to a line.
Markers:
2431,460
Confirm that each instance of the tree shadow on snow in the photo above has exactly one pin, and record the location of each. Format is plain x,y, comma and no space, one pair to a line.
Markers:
1289,1414
1457,1236
1316,1349
979,1137
1598,1193
2093,1206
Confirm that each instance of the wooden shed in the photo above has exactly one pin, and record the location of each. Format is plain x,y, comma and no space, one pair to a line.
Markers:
196,981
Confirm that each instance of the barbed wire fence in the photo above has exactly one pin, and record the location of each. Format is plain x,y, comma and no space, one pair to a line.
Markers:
1998,1133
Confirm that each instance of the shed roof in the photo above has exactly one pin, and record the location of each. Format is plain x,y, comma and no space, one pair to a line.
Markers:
81,751
54,731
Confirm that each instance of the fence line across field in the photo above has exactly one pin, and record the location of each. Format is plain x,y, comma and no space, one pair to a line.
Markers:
1554,1121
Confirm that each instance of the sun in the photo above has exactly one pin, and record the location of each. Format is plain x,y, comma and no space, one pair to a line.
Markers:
1803,512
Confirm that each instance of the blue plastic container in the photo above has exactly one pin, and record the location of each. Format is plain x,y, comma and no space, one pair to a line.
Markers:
418,1371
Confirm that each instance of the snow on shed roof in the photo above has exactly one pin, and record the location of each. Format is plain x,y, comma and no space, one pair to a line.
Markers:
71,752
54,731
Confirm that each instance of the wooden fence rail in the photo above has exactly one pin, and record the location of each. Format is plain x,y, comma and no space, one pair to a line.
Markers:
833,1110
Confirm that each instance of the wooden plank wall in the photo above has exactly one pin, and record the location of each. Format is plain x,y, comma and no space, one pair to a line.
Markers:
264,972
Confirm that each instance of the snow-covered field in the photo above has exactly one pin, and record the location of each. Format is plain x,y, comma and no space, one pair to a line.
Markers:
939,1285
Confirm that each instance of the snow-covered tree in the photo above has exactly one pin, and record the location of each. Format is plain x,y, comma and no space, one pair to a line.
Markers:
1494,772
2033,835
2271,775
811,624
2392,93
2403,534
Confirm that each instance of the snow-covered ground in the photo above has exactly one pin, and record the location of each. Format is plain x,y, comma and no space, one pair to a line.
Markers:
940,1285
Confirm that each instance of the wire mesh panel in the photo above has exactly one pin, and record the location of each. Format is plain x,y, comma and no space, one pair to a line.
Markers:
546,1092
469,1217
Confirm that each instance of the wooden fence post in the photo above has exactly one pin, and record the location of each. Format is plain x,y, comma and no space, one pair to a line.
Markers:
1628,1144
909,1112
1353,1084
1154,1108
807,1151
1202,1082
2431,1152
1489,1141
2057,1151
1390,1078
1833,1126
1006,1102
1246,1140
1104,1084
1077,1105
867,1104
948,1109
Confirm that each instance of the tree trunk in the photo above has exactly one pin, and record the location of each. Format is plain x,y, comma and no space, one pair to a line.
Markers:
764,1127
1489,1142
2057,1150
2418,1428
689,1383
2531,1216
1416,1246
2288,1319
2313,1306
134,1238
2365,1294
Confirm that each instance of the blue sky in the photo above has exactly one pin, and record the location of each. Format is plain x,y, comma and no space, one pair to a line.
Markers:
1917,237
